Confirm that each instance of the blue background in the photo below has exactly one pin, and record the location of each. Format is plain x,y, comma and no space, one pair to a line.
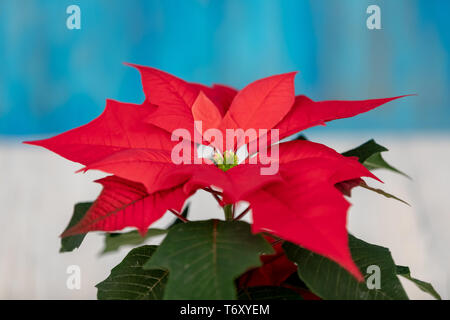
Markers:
53,79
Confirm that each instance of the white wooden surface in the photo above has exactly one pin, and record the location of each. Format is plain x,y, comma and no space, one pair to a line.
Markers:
38,190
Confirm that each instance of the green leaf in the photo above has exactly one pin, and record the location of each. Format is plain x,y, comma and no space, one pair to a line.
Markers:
369,154
70,243
383,193
204,258
376,161
364,151
268,293
422,285
113,241
300,136
295,281
129,281
328,280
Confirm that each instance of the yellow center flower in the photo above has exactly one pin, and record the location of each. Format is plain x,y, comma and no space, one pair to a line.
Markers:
226,161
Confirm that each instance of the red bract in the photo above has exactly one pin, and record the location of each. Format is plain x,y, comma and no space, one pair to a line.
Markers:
275,269
299,203
123,203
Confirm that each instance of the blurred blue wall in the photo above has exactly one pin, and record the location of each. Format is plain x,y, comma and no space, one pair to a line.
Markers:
53,79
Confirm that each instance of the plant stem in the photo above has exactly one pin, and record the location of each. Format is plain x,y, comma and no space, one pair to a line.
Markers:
228,210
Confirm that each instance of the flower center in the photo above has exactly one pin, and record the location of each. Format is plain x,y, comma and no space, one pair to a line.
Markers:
226,161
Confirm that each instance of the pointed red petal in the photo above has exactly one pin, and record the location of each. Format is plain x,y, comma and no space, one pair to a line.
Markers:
275,270
172,96
123,203
236,183
153,168
306,208
261,104
307,113
164,89
223,96
118,128
219,94
292,151
314,218
205,112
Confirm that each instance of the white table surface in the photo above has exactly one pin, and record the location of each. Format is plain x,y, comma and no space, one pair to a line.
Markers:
38,190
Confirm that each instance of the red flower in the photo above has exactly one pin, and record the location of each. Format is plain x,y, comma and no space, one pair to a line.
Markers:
298,203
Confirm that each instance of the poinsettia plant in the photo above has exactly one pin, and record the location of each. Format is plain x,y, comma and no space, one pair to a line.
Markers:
243,148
